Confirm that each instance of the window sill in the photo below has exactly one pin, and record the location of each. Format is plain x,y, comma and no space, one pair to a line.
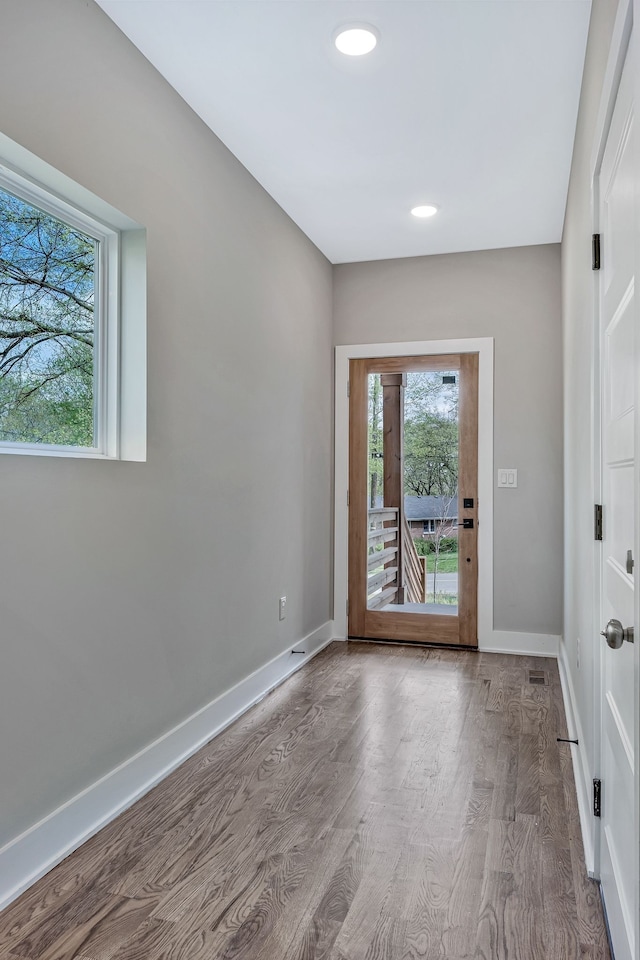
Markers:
44,450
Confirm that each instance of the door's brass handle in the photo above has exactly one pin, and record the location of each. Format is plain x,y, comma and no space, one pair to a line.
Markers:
615,634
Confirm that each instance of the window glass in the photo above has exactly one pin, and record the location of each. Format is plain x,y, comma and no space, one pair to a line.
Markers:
48,275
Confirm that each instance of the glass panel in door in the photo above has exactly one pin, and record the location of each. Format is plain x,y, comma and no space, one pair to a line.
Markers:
412,562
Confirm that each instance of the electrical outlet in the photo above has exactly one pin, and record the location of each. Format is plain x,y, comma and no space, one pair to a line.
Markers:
283,607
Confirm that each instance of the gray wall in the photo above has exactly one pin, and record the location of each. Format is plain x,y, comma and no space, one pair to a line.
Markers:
578,320
514,296
134,593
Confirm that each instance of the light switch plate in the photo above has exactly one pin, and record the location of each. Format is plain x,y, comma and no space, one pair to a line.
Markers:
507,477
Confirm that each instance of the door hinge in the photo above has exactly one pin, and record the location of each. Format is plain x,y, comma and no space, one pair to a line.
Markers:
348,502
597,795
597,521
347,605
595,251
348,388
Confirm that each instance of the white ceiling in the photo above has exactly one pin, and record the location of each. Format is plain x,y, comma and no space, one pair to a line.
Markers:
468,104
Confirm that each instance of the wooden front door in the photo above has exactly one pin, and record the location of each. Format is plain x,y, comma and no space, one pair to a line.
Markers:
413,502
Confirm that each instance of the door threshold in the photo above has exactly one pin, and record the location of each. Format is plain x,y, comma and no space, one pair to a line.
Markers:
427,644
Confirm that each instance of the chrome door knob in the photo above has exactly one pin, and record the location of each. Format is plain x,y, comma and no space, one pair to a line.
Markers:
615,634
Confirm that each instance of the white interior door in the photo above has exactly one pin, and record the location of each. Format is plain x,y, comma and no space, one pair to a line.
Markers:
618,862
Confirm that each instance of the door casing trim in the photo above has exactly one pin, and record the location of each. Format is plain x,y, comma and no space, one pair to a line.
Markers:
484,347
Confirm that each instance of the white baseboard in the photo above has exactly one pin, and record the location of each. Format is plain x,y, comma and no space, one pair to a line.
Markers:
36,851
581,770
521,644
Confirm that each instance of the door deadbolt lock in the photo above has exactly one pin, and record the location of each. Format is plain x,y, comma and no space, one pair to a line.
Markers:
615,634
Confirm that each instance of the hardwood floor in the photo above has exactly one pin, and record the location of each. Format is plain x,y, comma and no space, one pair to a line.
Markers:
386,803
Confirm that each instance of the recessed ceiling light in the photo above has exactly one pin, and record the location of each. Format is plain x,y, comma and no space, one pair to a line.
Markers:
425,210
356,41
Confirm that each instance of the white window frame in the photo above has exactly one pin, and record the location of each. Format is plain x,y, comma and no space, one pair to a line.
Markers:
120,305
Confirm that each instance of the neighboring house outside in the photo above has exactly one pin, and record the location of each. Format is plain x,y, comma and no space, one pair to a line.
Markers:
429,516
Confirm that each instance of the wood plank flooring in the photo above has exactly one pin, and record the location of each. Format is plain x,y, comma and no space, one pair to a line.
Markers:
385,803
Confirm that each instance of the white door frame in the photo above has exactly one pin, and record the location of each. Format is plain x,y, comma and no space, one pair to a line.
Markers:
483,346
635,53
618,52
